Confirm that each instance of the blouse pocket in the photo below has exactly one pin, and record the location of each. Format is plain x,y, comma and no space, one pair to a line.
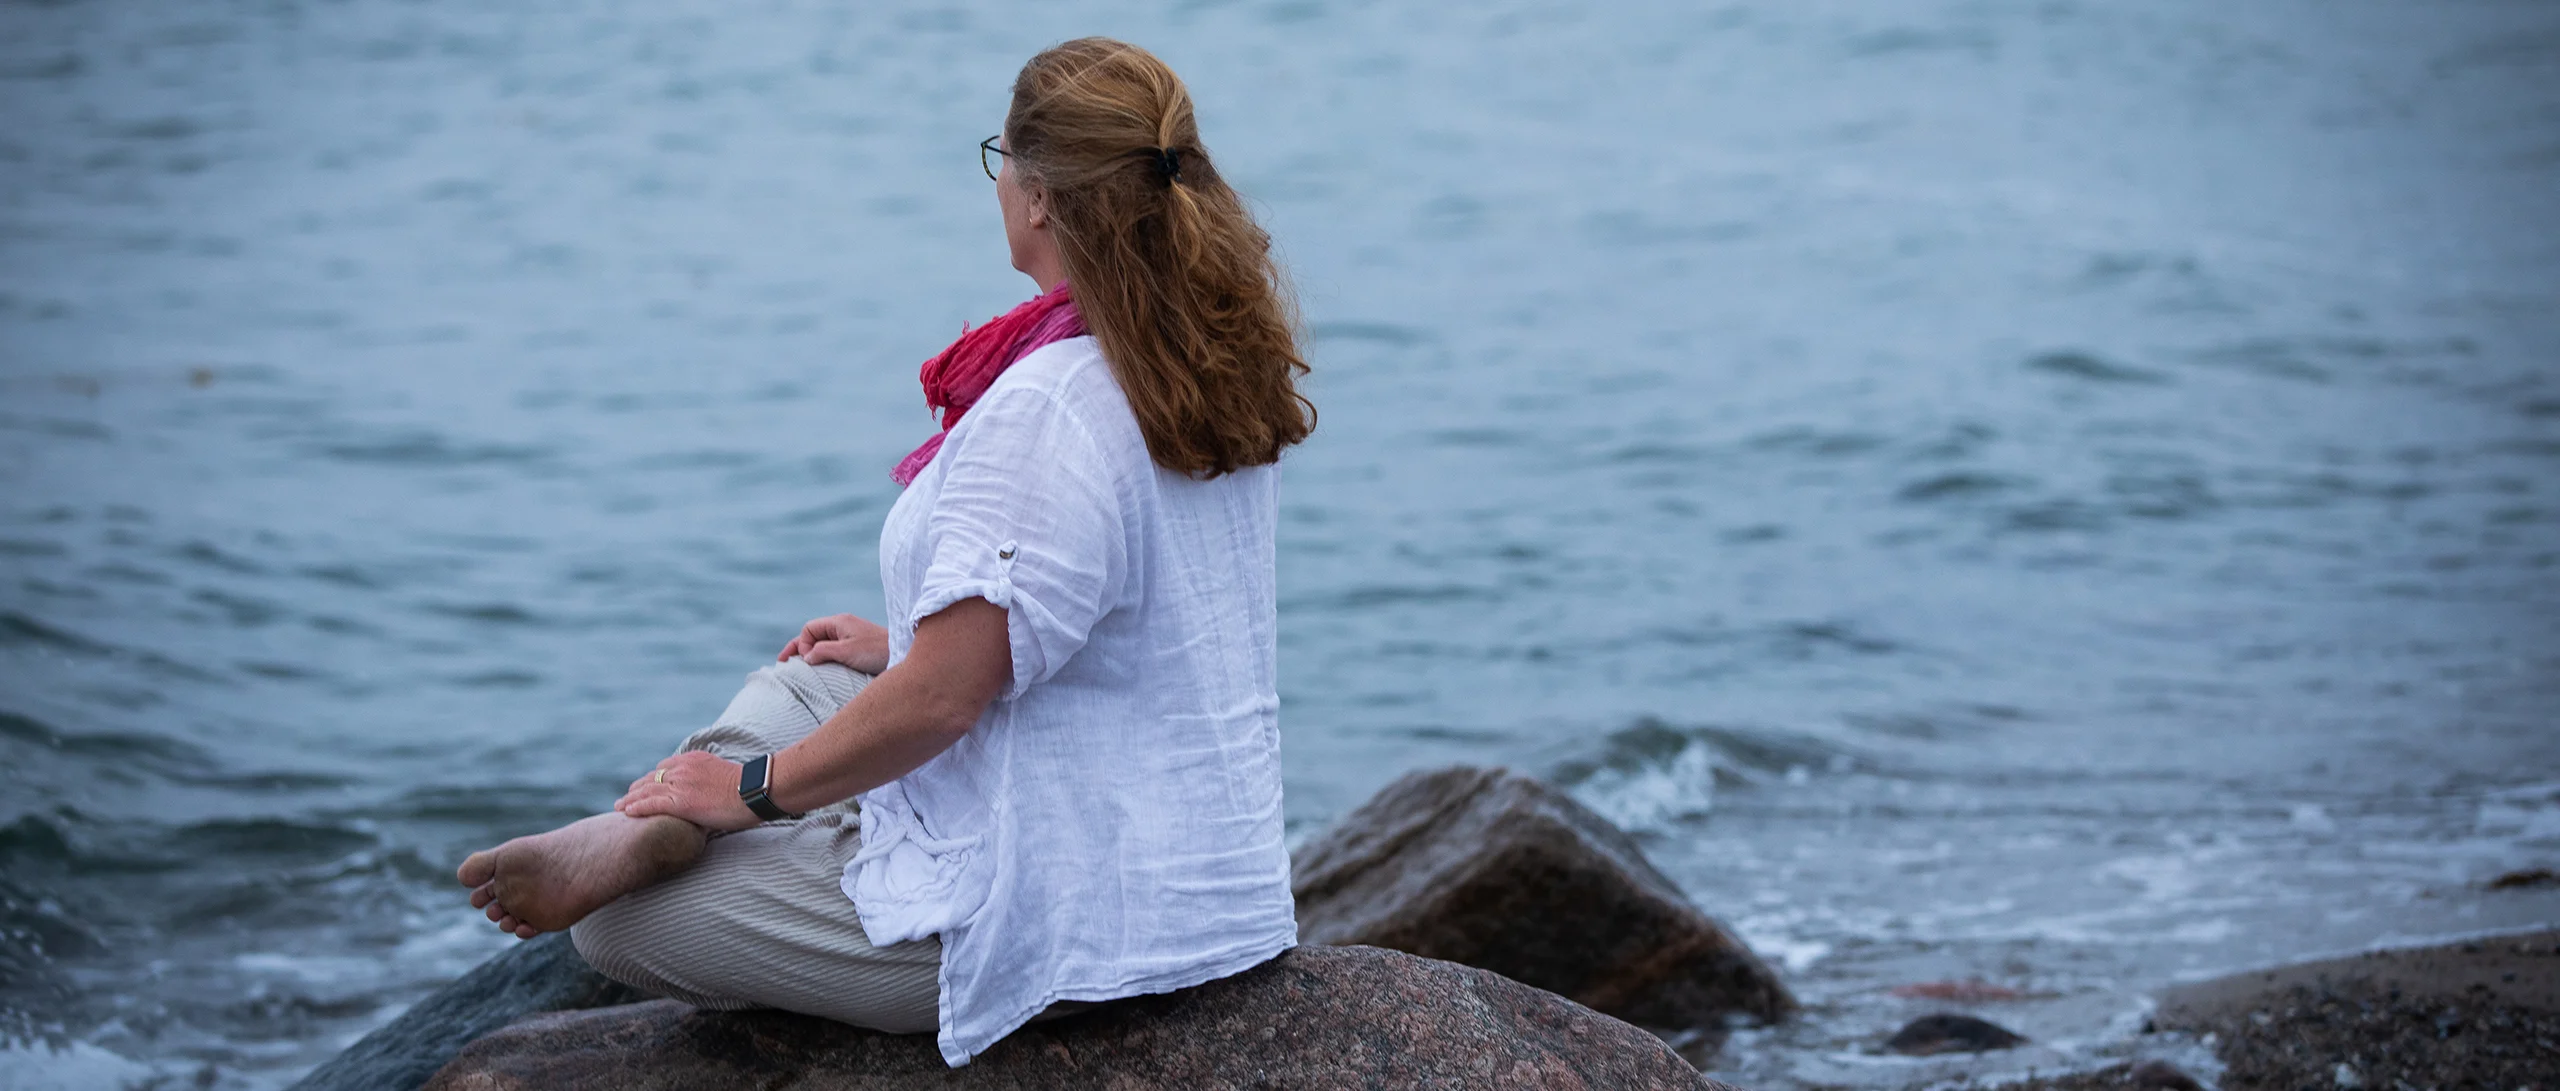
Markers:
905,883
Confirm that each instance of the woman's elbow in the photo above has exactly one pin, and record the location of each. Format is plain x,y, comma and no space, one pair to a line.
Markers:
948,709
951,720
965,662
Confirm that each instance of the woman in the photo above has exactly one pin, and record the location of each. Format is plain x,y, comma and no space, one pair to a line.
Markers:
1063,785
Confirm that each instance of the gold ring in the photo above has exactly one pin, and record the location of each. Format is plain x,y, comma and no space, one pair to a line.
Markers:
660,776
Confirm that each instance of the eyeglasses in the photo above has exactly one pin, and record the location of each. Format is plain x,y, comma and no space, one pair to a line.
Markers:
988,153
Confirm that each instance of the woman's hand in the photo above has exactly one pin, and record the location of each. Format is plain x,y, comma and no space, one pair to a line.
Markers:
844,639
694,786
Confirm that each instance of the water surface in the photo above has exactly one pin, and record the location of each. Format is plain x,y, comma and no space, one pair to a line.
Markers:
2047,492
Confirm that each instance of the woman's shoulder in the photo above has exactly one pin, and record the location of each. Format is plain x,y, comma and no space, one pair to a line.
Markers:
1071,377
1065,369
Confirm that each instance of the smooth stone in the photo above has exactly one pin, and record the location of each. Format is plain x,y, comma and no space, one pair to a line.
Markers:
1499,871
2531,878
1314,1017
542,974
2156,1075
1947,1032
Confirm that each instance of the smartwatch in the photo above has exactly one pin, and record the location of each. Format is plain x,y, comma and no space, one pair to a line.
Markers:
755,789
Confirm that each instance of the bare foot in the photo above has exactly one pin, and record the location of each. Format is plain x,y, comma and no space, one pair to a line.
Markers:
549,881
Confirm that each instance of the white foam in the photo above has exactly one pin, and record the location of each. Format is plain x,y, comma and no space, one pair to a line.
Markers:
2313,817
309,969
2547,791
76,1067
1654,796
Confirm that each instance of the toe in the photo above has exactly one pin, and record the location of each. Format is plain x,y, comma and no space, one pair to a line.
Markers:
478,868
483,895
498,912
527,931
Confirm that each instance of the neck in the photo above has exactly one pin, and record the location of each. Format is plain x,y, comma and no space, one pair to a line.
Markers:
1043,264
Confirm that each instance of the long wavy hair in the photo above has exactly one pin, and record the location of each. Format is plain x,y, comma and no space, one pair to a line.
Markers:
1170,271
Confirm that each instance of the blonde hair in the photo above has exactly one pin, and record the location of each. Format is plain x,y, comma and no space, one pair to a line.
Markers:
1170,272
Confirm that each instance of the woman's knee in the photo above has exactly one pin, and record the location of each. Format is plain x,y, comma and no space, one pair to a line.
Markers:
594,942
822,688
610,940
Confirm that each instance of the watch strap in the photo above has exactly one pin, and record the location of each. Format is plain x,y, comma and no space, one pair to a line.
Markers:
755,789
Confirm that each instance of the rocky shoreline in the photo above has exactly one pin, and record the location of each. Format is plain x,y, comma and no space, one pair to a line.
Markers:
2479,1012
2476,1013
1475,928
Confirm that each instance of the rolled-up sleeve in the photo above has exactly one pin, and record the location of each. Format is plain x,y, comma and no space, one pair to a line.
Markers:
1029,518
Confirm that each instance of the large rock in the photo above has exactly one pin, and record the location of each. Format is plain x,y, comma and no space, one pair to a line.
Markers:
1492,869
540,975
1314,1018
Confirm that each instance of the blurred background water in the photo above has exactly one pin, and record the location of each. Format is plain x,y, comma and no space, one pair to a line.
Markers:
2054,492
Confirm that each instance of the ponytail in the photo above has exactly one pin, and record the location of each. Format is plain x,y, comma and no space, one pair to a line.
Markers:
1171,273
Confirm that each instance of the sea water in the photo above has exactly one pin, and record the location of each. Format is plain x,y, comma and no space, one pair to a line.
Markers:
2049,492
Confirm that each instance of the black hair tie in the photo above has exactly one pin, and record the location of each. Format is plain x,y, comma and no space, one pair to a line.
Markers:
1168,164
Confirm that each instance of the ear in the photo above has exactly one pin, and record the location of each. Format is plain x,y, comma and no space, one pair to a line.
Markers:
1035,208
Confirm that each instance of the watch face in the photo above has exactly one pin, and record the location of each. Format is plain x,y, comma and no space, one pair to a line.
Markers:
751,778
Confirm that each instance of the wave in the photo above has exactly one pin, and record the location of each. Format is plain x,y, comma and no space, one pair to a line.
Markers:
1383,333
212,556
170,759
1375,595
119,746
1965,484
1815,441
2084,366
430,450
20,630
66,841
1652,774
524,808
1793,641
267,839
495,613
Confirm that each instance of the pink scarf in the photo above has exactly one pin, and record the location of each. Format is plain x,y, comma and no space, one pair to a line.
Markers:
956,377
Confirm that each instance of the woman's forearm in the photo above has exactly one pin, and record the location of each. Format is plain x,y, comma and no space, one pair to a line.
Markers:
875,738
960,662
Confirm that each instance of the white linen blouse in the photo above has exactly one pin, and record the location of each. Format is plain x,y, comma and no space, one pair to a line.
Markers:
1111,826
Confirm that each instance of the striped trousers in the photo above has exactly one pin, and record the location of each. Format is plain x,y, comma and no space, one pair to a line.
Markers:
760,920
